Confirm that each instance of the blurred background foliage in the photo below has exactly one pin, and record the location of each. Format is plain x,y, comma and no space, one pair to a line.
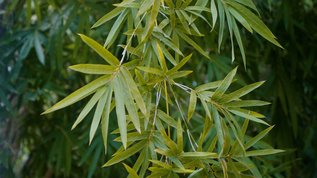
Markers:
38,41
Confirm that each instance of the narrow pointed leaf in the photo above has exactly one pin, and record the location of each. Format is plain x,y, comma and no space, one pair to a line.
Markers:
79,94
126,154
192,104
224,85
93,68
105,54
115,12
120,110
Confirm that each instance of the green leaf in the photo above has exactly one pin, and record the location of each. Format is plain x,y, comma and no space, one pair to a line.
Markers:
134,90
159,54
160,163
208,86
129,102
151,70
179,74
214,13
117,87
165,152
89,106
166,118
179,65
97,116
167,42
145,5
135,136
216,119
205,106
116,27
255,139
126,154
254,22
131,171
224,85
260,152
80,93
192,104
169,142
39,50
105,54
105,118
199,155
93,68
245,103
239,93
192,43
179,136
247,116
108,16
183,20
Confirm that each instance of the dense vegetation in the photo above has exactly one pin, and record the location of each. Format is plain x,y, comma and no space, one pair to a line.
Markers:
39,42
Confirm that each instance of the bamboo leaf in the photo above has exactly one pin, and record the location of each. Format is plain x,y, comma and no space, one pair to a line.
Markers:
199,155
254,140
105,118
97,116
89,106
192,43
239,93
126,154
105,54
245,103
192,104
260,152
247,116
93,68
166,118
145,5
179,136
214,13
151,70
160,163
169,142
254,22
116,27
131,171
79,94
179,65
129,102
112,14
120,110
224,85
134,90
135,136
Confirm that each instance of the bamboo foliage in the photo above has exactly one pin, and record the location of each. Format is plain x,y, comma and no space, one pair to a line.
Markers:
141,86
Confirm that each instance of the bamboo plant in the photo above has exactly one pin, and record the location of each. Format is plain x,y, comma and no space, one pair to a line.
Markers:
153,111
